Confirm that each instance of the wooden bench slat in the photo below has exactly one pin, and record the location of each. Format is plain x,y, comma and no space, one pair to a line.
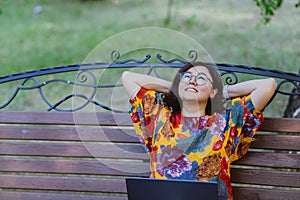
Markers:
102,185
263,141
265,177
88,167
53,134
56,118
246,193
124,151
281,125
105,118
63,183
95,167
276,142
57,196
133,152
266,159
67,134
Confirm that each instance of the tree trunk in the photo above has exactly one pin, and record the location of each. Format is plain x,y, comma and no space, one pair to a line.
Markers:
169,12
293,107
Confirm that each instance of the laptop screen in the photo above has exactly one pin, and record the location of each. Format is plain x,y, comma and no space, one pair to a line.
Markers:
165,189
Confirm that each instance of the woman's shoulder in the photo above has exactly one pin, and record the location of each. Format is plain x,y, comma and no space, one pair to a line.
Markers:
238,104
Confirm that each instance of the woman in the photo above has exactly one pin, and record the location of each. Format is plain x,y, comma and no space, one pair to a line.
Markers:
186,130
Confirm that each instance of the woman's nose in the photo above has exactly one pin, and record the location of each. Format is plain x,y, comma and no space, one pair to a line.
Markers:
193,81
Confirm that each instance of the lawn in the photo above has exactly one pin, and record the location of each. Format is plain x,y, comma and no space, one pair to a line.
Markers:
65,32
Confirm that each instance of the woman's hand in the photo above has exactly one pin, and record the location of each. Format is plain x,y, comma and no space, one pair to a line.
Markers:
132,83
261,91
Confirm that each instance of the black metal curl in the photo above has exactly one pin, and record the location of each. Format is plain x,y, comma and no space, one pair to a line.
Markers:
231,79
117,55
80,77
88,100
151,68
114,54
193,55
156,74
229,73
21,87
12,97
279,85
39,85
159,57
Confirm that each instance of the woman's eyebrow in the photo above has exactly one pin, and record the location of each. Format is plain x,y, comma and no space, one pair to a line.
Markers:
200,73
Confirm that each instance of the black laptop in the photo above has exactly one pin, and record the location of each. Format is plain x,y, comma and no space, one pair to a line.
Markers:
165,189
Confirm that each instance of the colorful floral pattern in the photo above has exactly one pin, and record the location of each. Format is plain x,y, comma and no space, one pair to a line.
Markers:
196,148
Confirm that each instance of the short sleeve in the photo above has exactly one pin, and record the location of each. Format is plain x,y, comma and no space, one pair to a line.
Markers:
144,113
243,122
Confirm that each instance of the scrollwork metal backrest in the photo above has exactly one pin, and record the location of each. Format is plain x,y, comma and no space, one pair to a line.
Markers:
86,77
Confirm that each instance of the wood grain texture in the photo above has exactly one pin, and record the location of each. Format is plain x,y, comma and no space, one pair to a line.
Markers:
63,183
266,159
277,142
264,194
290,125
50,155
59,133
56,118
266,177
55,196
87,150
87,167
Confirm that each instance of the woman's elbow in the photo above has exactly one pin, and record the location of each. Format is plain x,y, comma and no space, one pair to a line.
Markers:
272,85
124,76
127,78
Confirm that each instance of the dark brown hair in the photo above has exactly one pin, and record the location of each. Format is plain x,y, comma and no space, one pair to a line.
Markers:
172,100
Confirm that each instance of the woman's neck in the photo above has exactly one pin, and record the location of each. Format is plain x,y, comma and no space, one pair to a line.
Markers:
193,109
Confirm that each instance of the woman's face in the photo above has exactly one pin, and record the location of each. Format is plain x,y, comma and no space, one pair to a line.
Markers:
196,84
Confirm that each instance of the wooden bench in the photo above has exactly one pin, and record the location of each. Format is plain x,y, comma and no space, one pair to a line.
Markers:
48,155
84,155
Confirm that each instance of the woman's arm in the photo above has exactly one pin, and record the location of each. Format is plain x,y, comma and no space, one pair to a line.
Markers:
261,91
132,83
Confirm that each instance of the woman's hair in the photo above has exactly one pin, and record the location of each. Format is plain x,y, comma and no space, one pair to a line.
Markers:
172,100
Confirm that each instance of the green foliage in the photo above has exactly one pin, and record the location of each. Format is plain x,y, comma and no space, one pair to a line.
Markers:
65,32
191,21
268,8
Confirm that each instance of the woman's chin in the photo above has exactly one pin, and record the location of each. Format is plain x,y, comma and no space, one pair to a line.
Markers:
192,98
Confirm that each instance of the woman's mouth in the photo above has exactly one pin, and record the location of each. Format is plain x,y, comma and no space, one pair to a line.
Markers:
191,89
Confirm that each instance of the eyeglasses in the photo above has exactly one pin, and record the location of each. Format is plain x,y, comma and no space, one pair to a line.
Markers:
200,78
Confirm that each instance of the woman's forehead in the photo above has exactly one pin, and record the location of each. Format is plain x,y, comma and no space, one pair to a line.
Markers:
199,69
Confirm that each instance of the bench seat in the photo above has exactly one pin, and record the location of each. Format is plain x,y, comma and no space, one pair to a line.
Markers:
52,155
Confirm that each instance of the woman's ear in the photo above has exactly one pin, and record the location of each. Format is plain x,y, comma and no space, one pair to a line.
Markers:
213,93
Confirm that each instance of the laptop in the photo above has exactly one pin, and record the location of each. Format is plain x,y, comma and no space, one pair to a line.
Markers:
167,189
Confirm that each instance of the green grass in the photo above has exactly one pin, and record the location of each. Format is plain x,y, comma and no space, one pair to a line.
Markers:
67,31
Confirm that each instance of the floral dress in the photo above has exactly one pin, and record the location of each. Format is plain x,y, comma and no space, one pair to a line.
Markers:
194,148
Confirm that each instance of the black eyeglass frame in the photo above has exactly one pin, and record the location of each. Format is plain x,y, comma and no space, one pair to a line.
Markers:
203,75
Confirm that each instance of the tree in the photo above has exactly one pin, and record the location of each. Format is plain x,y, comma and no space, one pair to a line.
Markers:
169,11
267,11
268,8
293,107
